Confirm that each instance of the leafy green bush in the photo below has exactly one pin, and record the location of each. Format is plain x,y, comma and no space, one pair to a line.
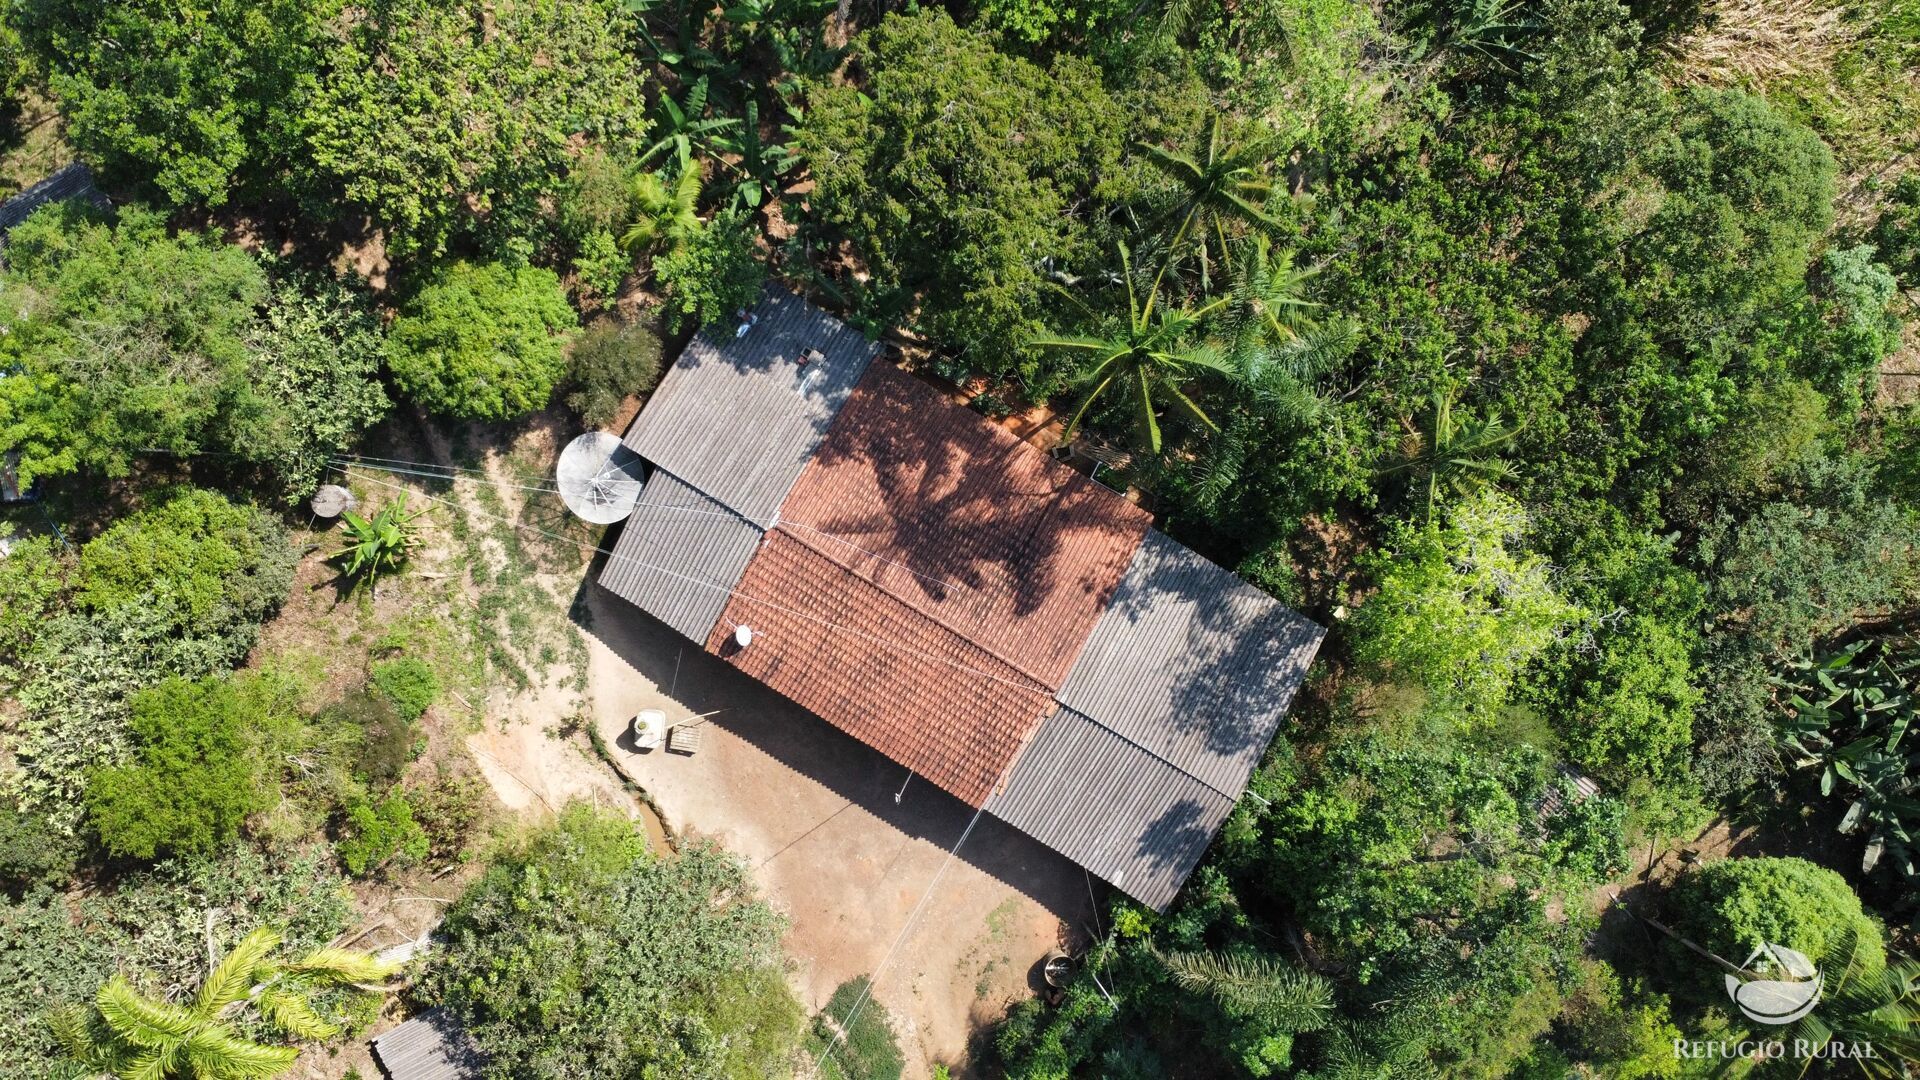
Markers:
609,362
192,781
409,683
866,1050
451,811
125,338
382,739
713,274
194,564
1733,906
33,852
583,954
376,834
316,359
482,341
1459,613
33,575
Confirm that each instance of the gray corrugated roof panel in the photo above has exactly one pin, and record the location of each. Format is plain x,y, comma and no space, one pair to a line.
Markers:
739,417
430,1046
73,182
1192,664
679,555
1124,814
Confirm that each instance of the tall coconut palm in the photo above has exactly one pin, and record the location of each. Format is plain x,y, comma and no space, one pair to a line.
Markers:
1459,455
129,1035
1219,185
666,208
1149,358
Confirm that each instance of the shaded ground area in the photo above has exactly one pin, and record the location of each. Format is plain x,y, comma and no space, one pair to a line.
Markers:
814,812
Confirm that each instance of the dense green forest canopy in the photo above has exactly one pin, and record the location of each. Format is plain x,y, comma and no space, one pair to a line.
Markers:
1559,355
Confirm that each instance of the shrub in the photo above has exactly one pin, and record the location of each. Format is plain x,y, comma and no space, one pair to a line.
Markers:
1733,906
383,738
557,963
316,360
482,341
33,852
868,1051
193,564
32,577
450,811
607,363
409,683
714,273
375,834
192,781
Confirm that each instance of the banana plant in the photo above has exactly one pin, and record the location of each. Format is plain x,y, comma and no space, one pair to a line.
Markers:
760,165
683,124
376,545
1847,715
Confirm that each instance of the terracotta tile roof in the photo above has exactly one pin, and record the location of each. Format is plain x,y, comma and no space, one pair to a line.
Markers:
960,520
879,669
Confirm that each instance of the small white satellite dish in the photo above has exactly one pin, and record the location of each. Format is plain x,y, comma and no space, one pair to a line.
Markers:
599,478
743,635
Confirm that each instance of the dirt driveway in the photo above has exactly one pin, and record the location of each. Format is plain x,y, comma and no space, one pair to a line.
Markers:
814,812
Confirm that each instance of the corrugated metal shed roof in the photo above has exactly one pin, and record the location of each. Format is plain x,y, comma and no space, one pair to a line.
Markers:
73,182
1192,664
430,1046
1136,821
678,556
738,417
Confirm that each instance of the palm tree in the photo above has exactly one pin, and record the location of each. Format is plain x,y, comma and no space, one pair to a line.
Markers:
1218,184
1864,1003
1278,994
666,208
1461,456
1150,357
1269,301
130,1035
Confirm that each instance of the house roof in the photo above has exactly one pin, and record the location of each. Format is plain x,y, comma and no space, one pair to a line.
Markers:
1111,807
679,555
1192,665
954,598
431,1046
878,668
72,182
738,417
965,523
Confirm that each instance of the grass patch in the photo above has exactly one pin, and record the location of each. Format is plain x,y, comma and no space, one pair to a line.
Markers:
867,1050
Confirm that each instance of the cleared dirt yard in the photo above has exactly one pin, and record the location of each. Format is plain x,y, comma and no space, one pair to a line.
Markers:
813,811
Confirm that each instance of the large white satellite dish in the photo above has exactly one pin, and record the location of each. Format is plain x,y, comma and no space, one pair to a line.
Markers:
599,478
